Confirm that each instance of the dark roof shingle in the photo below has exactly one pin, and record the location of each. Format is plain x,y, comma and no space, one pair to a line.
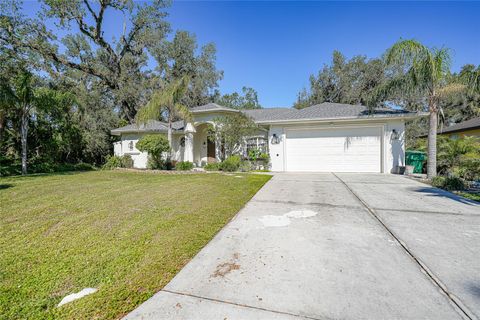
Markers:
465,125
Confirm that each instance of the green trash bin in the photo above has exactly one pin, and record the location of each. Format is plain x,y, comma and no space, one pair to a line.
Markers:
415,159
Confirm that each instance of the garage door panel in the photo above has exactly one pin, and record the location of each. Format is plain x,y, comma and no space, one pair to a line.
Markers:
341,149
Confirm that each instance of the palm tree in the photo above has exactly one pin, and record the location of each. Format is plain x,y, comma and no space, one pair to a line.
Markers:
425,71
167,104
19,93
471,77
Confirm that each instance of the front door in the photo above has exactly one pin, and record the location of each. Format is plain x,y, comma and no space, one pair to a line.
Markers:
211,151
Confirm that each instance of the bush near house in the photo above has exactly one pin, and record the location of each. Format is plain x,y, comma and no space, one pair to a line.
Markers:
113,162
231,164
156,146
448,183
456,158
184,166
212,166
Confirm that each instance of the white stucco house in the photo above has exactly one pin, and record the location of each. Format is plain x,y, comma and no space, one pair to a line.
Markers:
327,137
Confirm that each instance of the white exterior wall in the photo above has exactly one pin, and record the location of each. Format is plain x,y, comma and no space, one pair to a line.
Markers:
276,150
392,153
200,145
139,158
395,149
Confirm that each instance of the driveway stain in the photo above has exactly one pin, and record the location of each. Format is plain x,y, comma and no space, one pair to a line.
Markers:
226,267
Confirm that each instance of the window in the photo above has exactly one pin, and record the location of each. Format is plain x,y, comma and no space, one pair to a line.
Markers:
182,142
259,143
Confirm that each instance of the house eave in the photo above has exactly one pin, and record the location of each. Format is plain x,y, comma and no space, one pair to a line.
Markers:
407,116
215,110
119,133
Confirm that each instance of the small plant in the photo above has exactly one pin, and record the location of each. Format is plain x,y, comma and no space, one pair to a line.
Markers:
264,157
212,167
448,183
245,166
112,163
231,164
254,154
454,183
127,161
184,166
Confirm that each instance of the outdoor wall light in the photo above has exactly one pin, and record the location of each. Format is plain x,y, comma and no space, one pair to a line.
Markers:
275,139
395,135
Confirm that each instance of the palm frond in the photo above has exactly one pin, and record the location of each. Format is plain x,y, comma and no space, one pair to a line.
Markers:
450,90
166,103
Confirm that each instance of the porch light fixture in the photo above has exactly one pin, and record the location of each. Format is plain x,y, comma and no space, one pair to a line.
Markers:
395,135
275,139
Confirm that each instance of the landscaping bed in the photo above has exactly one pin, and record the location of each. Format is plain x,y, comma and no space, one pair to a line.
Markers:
124,233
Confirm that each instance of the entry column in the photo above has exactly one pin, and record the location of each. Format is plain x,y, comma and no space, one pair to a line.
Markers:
188,151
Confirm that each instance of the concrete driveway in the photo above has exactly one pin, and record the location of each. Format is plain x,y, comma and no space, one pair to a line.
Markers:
334,246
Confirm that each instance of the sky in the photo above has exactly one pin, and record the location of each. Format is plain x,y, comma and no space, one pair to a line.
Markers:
274,47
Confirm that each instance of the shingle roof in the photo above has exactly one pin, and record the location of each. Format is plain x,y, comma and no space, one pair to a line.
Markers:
465,125
268,113
326,110
211,107
151,126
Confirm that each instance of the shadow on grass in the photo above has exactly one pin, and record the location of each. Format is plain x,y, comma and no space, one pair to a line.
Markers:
48,174
5,186
435,192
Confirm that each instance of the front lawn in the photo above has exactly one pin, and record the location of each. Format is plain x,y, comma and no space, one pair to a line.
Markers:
125,233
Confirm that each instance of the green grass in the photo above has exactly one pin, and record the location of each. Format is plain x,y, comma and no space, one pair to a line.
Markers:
125,233
471,196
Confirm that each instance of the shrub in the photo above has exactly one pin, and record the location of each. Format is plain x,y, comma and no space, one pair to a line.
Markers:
112,163
245,166
156,146
438,182
254,154
454,183
448,183
82,166
231,164
212,167
265,157
184,166
126,161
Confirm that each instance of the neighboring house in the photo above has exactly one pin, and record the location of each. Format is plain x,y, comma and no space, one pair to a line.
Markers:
466,128
325,137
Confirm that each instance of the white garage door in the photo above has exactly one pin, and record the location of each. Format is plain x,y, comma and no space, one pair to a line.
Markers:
356,149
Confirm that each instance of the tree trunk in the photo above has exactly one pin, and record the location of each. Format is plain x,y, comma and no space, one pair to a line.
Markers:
169,137
2,125
169,133
128,111
432,143
23,137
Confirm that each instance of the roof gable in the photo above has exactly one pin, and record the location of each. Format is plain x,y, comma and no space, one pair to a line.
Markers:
211,107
